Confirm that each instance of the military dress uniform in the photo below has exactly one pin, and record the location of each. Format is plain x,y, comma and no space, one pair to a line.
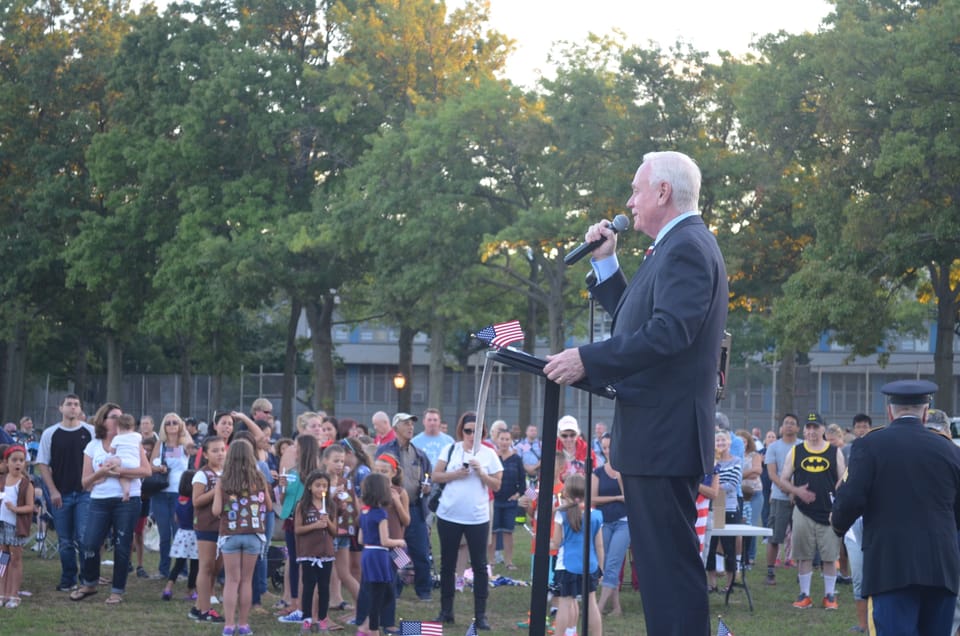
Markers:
904,480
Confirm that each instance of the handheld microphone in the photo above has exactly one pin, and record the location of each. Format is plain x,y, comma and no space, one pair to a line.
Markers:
620,224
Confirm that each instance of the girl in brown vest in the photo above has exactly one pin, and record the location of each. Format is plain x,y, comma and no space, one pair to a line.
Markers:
315,529
207,527
15,518
242,501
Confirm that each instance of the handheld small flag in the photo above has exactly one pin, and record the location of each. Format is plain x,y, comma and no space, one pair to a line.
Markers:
531,492
472,630
723,630
421,628
4,560
400,558
501,334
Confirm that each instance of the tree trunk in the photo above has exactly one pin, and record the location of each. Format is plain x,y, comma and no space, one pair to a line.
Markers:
786,386
438,337
4,376
114,369
320,319
290,369
527,381
464,389
14,372
948,304
555,320
80,370
405,346
186,379
216,381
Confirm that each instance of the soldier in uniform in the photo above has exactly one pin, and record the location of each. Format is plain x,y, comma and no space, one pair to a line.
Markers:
905,481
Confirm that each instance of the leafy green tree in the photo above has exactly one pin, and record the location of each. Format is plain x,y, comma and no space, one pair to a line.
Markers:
52,93
403,59
866,108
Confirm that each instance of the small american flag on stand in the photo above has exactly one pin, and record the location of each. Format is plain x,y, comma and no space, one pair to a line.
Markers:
472,630
420,628
723,630
501,334
400,558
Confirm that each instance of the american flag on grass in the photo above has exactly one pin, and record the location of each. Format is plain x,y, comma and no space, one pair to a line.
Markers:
420,628
723,630
501,334
400,558
472,630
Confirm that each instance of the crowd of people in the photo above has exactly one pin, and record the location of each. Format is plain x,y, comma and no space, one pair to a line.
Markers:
351,503
354,514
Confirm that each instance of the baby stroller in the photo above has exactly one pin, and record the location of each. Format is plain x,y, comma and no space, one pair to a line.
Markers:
44,544
276,560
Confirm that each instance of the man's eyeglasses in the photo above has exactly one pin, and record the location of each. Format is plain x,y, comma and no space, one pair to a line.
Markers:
567,435
468,431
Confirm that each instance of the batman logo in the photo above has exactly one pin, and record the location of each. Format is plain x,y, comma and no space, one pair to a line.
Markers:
815,464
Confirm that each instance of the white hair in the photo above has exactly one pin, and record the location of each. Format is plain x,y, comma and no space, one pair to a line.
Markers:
681,172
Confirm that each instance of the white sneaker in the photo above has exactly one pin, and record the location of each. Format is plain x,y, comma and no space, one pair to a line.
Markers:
296,616
214,600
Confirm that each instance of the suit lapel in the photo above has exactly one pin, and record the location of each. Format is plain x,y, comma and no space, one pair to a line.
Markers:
651,264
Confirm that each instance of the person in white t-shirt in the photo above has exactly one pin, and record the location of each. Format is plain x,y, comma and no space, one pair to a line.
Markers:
468,472
108,509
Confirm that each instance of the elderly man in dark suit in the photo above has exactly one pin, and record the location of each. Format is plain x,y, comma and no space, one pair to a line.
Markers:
662,358
904,480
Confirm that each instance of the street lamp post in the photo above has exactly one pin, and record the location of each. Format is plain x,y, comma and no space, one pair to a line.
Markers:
399,381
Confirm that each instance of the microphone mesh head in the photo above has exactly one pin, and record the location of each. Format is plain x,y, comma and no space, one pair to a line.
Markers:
620,223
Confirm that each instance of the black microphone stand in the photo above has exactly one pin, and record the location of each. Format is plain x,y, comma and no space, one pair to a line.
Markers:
588,476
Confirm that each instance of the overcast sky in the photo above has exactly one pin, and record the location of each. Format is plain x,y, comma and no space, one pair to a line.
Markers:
709,25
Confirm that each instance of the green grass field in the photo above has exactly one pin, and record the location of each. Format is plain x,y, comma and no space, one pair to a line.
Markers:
48,612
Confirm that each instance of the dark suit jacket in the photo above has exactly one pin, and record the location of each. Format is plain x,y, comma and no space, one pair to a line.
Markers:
663,354
905,482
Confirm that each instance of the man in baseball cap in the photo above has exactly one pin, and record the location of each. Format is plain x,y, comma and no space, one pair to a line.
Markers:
810,473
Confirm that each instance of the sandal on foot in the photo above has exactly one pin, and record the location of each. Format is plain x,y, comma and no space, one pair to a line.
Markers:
114,599
13,602
82,592
342,606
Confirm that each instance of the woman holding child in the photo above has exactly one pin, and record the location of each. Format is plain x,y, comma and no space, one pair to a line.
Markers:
108,507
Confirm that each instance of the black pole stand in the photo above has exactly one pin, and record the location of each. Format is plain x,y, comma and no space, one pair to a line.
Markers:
541,558
551,414
588,495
